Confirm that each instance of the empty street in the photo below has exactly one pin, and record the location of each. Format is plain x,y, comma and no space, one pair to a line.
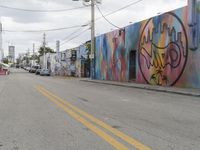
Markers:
56,113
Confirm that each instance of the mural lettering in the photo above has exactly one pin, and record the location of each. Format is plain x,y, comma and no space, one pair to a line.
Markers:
163,50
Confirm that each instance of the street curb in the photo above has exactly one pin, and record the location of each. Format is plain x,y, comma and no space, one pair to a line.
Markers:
146,88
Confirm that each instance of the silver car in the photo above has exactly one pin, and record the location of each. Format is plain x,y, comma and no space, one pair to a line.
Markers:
45,72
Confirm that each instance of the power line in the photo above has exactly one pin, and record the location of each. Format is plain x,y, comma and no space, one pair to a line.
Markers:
74,37
71,34
45,30
42,11
64,28
106,18
124,7
67,38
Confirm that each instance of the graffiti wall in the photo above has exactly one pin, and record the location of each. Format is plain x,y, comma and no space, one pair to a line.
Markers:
166,46
68,62
111,56
82,65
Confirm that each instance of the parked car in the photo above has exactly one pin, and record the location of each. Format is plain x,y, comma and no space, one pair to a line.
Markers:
33,69
37,71
17,66
23,67
27,68
45,72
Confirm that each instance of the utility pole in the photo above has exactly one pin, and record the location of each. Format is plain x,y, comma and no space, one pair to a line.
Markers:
1,48
33,48
28,52
92,55
92,40
44,44
57,46
57,50
33,56
28,58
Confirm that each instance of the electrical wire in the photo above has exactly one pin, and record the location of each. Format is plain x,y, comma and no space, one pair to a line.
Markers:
71,34
42,11
64,28
45,30
120,9
106,18
75,37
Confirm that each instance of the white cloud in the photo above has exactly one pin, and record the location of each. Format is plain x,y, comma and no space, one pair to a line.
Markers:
20,20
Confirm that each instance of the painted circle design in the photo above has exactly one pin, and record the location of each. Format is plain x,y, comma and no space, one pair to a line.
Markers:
174,51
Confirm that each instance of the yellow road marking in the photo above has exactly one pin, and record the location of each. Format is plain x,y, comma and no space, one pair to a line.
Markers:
138,145
117,145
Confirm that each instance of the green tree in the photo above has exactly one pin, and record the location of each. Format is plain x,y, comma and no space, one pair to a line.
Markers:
47,50
5,61
27,59
37,58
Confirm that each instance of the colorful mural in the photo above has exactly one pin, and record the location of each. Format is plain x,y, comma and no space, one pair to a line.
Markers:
82,63
163,50
68,62
167,48
111,56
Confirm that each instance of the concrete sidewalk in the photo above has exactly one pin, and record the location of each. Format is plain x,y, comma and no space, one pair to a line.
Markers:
173,90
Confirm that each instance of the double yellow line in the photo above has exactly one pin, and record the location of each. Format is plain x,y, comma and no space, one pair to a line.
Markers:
81,116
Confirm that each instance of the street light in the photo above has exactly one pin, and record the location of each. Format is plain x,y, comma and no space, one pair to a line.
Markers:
91,3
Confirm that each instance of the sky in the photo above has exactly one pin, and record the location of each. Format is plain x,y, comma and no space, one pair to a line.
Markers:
78,19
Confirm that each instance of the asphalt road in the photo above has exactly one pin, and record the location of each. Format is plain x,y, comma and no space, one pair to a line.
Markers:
46,113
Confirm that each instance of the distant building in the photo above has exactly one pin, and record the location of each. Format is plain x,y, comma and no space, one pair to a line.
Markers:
11,53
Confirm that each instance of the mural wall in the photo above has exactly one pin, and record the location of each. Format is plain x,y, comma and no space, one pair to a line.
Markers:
166,46
66,63
82,63
111,56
